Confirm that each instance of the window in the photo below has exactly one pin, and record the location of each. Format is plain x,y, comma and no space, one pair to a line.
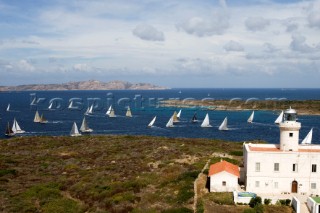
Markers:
314,168
313,185
224,183
295,167
291,134
276,167
275,185
258,167
257,184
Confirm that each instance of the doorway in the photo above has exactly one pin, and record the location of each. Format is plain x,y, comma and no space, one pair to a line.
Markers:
294,187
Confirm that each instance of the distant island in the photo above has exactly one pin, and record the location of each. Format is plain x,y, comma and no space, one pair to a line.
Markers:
85,85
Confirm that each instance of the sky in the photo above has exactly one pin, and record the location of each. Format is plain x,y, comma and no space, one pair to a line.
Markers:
173,43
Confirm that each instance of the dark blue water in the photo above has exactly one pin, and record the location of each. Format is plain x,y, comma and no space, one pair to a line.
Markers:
145,105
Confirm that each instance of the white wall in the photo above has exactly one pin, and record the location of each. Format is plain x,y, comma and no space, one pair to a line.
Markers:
267,177
217,179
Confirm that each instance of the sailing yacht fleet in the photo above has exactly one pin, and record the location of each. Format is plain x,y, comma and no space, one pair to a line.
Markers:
174,119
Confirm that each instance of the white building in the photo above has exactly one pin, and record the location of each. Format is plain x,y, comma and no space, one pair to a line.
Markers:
283,168
223,177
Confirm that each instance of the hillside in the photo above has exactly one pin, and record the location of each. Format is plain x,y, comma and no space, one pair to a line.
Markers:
85,85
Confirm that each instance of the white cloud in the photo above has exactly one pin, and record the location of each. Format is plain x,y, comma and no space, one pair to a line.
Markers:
256,23
233,46
148,32
215,24
269,48
314,19
299,44
24,65
82,67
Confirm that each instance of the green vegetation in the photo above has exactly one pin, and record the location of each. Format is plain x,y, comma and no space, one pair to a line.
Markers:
221,198
105,173
309,107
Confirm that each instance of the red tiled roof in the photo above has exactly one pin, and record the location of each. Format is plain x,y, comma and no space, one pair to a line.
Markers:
224,166
274,149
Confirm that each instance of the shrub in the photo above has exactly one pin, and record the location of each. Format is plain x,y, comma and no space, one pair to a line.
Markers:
258,208
267,201
178,210
4,172
236,153
249,211
288,201
254,201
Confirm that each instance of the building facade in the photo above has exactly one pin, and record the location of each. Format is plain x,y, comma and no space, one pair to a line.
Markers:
286,167
223,177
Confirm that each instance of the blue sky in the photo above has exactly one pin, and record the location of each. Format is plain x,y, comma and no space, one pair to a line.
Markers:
203,43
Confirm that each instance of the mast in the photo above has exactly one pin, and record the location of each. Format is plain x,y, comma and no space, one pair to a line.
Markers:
250,119
206,121
9,131
37,118
175,117
179,114
128,113
279,118
170,122
74,130
224,124
84,126
308,138
152,121
194,118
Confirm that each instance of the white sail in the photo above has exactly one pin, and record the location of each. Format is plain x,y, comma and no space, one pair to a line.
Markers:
250,119
206,121
279,118
179,114
128,113
16,128
90,111
50,106
8,108
224,124
84,126
170,122
152,121
37,118
308,138
175,117
43,120
70,105
74,130
112,113
109,110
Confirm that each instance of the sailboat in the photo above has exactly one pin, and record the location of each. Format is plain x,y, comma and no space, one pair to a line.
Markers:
89,110
308,138
110,112
250,119
224,124
175,117
16,128
194,118
128,113
43,120
206,122
70,105
279,119
9,132
74,131
179,115
84,126
50,106
152,121
170,122
8,108
37,117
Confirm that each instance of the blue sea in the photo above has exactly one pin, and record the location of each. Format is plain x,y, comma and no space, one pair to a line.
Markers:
144,106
